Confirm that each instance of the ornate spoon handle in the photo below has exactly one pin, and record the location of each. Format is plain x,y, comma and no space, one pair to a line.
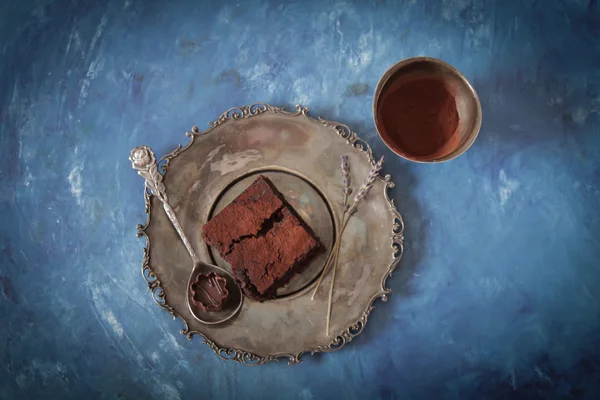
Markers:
143,160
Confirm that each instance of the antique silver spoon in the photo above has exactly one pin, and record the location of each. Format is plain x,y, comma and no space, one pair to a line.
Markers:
143,160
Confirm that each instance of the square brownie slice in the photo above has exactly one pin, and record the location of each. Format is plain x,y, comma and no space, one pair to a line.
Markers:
261,236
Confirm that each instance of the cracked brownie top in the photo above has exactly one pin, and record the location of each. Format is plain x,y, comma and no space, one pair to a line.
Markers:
262,238
244,216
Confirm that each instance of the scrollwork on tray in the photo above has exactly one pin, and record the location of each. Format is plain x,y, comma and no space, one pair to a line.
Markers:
148,274
244,112
166,159
398,227
243,356
351,137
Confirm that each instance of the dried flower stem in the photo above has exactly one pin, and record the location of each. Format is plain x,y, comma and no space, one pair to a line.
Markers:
364,189
347,191
362,193
336,251
348,212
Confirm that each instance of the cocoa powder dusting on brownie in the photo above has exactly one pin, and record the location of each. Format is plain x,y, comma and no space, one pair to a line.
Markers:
262,238
268,259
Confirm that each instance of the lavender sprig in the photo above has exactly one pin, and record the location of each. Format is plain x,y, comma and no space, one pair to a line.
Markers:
346,179
348,211
347,191
365,187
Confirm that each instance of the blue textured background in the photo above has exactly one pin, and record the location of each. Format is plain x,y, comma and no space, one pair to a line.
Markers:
498,294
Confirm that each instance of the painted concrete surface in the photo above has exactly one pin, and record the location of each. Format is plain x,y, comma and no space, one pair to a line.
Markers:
498,295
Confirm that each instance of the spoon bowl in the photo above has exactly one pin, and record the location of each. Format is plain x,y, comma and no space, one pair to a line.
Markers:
232,304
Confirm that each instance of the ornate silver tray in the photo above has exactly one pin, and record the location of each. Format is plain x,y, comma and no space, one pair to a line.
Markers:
301,155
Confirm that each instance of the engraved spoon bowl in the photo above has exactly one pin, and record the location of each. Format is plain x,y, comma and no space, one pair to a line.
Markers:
232,304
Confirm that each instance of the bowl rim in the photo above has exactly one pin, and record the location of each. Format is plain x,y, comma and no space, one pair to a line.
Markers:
391,71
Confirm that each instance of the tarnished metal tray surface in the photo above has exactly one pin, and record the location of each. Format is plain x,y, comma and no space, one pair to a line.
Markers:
301,155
